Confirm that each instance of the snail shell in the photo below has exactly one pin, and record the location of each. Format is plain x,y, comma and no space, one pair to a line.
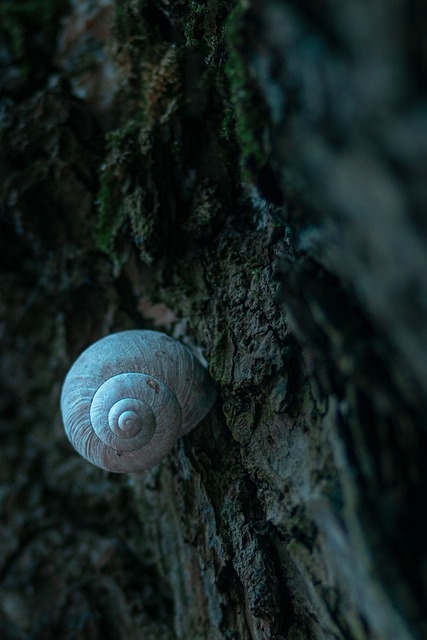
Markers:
130,396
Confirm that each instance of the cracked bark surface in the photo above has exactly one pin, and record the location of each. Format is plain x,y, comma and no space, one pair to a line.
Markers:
251,178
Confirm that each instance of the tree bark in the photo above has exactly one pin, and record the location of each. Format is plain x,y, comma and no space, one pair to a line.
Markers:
249,177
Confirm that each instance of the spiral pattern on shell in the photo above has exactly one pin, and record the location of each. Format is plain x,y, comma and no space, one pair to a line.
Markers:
130,396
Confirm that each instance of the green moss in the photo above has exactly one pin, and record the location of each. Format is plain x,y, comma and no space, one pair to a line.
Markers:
121,147
109,218
120,139
193,27
246,111
158,97
203,25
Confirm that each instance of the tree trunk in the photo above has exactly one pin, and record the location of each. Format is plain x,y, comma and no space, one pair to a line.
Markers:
250,178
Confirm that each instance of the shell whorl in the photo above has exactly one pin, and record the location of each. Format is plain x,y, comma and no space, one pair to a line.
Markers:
130,396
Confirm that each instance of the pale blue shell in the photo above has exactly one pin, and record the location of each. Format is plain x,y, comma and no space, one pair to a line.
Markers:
130,396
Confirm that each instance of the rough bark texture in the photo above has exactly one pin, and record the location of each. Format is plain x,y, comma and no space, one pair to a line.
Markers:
251,178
